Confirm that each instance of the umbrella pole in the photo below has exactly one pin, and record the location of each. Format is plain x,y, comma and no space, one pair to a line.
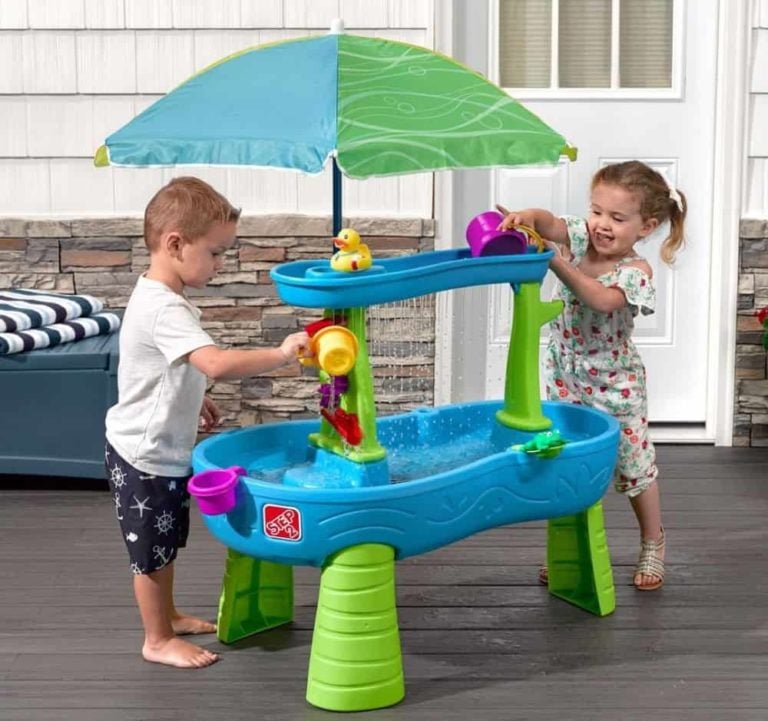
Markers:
337,220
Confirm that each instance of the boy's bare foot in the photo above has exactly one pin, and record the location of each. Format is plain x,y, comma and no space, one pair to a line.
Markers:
184,625
180,653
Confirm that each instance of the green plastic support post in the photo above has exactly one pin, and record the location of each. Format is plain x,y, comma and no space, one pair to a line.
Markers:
359,399
255,595
355,663
522,400
578,561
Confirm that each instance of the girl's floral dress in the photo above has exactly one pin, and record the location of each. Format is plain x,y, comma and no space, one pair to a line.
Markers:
591,359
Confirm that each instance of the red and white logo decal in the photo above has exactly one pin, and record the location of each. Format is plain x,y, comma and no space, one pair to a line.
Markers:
283,522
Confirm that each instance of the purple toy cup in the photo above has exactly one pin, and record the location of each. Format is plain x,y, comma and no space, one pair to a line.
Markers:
330,393
215,489
484,238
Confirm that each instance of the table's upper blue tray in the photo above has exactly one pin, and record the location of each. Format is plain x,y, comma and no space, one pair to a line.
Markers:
313,284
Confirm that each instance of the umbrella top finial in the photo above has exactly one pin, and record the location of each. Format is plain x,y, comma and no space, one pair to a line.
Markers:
337,27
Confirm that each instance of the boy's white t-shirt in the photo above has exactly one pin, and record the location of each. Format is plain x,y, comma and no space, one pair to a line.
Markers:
160,394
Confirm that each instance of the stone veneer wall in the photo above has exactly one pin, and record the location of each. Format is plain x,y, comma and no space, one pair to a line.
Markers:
751,403
103,257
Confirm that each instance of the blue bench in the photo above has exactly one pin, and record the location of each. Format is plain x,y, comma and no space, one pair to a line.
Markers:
52,408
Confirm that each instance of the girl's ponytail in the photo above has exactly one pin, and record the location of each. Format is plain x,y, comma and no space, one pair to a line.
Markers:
675,240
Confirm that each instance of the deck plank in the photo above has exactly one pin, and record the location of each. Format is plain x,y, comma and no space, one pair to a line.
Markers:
481,639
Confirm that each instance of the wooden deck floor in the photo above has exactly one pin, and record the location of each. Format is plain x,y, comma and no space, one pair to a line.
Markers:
481,640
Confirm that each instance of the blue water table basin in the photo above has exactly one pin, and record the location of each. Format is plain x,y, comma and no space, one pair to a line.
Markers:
450,472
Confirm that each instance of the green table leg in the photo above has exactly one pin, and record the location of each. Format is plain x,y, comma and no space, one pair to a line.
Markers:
355,663
578,561
255,595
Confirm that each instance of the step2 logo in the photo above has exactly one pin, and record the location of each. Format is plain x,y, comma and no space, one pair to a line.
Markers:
283,522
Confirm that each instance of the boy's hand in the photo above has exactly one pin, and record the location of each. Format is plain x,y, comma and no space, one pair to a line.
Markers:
295,345
210,415
515,217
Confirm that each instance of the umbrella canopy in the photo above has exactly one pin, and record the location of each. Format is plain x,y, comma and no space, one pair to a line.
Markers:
377,106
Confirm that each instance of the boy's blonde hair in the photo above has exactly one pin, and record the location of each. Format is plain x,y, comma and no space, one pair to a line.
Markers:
187,205
655,201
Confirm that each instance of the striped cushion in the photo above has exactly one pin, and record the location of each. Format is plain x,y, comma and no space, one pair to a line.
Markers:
23,309
57,333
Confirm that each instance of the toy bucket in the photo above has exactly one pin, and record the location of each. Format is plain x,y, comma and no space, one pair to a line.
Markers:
215,489
484,238
335,349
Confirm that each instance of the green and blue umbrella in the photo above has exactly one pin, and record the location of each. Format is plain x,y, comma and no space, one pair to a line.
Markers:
375,107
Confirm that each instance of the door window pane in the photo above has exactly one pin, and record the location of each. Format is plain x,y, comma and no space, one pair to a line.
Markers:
585,44
556,44
645,44
525,37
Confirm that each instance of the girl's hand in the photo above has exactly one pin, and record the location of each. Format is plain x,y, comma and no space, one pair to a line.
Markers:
210,415
562,256
515,217
295,345
561,252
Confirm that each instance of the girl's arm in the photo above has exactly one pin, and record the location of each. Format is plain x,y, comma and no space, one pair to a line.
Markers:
588,290
542,221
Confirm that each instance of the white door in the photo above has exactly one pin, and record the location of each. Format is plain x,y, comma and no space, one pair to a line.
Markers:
620,79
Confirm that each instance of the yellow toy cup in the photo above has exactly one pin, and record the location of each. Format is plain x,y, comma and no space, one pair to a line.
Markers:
334,349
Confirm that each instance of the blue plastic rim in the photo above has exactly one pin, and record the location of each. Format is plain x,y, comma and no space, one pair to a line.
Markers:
312,283
452,473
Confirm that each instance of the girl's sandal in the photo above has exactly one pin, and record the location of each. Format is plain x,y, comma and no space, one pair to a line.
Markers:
651,563
543,575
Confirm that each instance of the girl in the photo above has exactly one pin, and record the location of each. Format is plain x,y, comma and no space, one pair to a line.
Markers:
590,358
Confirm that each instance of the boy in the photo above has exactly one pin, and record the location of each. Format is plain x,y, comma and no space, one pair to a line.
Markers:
165,356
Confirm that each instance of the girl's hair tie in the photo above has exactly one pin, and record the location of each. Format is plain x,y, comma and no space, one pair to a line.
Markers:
674,196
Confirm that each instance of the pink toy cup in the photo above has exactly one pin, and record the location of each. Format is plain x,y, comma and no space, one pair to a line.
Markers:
215,489
484,238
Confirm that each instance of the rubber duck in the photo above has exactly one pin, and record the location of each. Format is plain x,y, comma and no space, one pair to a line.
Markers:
352,254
